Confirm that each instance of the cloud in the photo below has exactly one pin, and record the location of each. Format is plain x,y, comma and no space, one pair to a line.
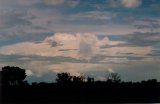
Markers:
45,48
19,22
53,2
118,51
148,23
29,73
124,3
84,43
48,77
131,3
106,42
13,18
26,2
40,68
79,48
76,67
37,68
115,60
87,44
73,3
91,17
28,48
114,3
143,39
59,39
111,70
78,45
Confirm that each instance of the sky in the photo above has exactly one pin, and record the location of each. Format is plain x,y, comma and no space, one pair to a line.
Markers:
83,37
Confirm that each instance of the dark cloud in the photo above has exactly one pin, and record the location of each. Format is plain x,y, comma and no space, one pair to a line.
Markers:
91,17
149,23
143,39
53,60
67,49
17,23
130,57
119,45
9,38
54,43
151,26
155,53
149,20
14,18
135,58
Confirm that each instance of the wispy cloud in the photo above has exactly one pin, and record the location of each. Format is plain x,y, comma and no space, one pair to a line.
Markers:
93,15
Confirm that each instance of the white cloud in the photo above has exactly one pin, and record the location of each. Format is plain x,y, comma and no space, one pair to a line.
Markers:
79,45
60,38
76,67
24,58
131,3
107,42
29,73
28,48
111,70
124,3
87,45
38,68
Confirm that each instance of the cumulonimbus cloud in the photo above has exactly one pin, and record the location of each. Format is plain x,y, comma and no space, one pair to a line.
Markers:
78,45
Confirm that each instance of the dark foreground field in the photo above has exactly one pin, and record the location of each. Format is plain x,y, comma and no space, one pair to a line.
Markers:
91,92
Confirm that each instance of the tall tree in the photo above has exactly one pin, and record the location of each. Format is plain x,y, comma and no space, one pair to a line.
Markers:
11,75
90,79
78,79
113,77
64,78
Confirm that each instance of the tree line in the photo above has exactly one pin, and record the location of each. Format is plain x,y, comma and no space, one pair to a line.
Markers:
70,88
13,75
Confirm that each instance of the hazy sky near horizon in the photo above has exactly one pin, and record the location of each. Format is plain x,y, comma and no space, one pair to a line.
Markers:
87,37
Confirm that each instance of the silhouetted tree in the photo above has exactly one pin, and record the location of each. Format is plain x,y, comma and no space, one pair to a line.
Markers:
11,75
63,78
113,77
78,78
34,83
90,79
